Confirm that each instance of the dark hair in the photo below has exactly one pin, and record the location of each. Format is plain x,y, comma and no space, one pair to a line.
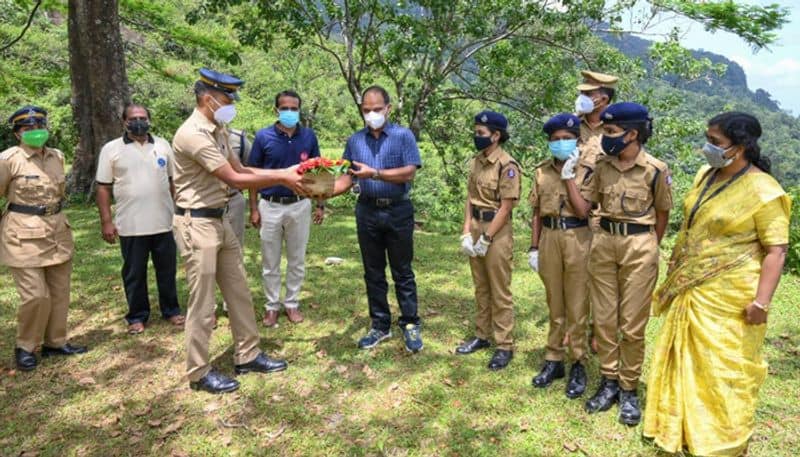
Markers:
504,136
200,88
743,130
378,89
609,93
134,105
644,129
289,93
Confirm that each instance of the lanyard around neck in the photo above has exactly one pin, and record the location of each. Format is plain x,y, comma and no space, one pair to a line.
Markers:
700,202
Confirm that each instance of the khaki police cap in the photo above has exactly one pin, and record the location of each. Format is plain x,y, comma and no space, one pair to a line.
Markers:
593,80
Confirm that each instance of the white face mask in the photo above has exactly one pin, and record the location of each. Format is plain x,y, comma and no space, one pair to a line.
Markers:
225,113
584,104
375,120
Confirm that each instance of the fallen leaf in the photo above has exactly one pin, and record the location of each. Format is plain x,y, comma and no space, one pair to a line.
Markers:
314,305
368,372
115,433
341,369
142,411
211,407
226,440
334,419
179,454
456,404
448,382
394,386
154,422
321,354
29,454
277,398
571,447
524,426
87,381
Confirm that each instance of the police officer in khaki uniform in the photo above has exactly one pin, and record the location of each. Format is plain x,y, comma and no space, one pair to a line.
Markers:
596,92
36,239
204,171
635,197
492,193
560,242
240,147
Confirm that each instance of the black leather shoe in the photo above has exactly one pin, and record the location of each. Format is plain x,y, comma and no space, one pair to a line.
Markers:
550,371
262,364
472,345
576,385
607,394
26,361
66,349
215,382
500,359
629,412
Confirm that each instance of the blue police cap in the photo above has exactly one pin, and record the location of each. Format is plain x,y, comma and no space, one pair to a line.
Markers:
563,121
227,84
624,113
492,119
28,115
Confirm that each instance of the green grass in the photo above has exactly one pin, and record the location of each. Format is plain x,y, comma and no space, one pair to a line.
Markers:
128,396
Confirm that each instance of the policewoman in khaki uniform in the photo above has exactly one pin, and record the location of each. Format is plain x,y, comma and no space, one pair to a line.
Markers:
595,93
635,197
36,239
492,193
204,171
560,242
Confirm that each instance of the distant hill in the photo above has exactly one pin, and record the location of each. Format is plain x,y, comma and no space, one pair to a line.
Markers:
732,83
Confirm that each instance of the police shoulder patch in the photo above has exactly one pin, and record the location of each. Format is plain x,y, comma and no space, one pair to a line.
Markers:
668,180
511,173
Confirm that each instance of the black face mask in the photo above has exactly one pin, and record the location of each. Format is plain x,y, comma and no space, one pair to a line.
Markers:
138,127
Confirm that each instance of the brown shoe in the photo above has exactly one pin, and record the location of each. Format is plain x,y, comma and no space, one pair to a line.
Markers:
135,328
177,320
270,319
294,315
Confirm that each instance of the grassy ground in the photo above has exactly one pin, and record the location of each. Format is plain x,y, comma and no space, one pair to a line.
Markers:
128,395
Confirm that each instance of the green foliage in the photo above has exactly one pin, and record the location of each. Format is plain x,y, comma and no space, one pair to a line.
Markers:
793,256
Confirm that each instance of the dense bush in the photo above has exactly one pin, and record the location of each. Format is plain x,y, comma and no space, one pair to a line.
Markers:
793,256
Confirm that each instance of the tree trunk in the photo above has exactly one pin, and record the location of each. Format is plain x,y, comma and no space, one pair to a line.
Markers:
99,84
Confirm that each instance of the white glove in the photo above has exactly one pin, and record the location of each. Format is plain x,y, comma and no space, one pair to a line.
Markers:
466,245
481,246
568,169
533,259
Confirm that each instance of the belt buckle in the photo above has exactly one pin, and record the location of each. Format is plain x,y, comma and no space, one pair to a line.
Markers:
562,224
619,228
383,202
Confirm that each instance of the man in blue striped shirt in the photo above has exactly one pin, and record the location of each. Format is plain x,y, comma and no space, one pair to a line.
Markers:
385,159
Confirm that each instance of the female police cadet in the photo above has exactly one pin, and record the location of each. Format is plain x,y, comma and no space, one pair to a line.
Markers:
633,190
560,242
35,238
492,192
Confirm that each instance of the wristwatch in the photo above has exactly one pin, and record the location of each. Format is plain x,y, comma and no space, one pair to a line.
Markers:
377,174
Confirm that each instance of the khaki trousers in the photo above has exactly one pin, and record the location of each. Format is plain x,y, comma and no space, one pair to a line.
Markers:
564,269
623,271
492,278
211,253
42,313
234,213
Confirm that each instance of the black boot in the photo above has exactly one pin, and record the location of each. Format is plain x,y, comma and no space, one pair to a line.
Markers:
215,383
576,385
550,371
472,345
500,359
26,361
607,394
629,412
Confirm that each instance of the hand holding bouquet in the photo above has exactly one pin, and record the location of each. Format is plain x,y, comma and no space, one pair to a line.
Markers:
319,175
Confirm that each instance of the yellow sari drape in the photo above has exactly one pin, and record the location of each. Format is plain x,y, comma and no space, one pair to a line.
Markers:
707,366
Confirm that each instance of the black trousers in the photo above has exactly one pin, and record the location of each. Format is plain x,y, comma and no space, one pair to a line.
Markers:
388,232
135,252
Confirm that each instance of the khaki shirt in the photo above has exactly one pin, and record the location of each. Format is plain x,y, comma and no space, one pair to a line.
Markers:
240,148
201,147
492,179
549,191
590,140
631,194
139,174
28,178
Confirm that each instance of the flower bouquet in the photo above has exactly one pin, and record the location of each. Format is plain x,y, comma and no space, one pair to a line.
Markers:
320,173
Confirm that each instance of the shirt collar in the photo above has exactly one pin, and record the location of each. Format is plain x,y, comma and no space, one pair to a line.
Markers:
203,121
384,131
127,140
30,152
641,160
280,132
493,157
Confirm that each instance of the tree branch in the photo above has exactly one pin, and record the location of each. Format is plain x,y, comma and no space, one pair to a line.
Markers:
25,29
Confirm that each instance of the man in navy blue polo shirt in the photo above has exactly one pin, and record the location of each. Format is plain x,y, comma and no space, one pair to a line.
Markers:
282,215
385,159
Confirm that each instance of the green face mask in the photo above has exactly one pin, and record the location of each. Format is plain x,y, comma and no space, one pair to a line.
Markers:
35,138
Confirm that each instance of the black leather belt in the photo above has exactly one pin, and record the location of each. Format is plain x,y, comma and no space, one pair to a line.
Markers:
216,213
623,228
36,210
283,200
381,202
563,223
483,215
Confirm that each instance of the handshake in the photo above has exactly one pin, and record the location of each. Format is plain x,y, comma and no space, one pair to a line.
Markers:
479,248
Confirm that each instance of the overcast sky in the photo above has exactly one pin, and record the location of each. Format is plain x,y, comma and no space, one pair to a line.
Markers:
776,70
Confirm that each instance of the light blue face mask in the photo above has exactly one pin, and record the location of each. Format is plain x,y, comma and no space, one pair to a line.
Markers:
561,149
288,118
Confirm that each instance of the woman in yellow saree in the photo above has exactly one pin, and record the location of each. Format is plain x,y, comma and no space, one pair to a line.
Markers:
707,366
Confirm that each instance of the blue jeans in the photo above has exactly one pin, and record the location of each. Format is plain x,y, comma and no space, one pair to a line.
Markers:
388,232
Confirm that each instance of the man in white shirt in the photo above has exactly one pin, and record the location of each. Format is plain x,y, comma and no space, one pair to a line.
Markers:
136,168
